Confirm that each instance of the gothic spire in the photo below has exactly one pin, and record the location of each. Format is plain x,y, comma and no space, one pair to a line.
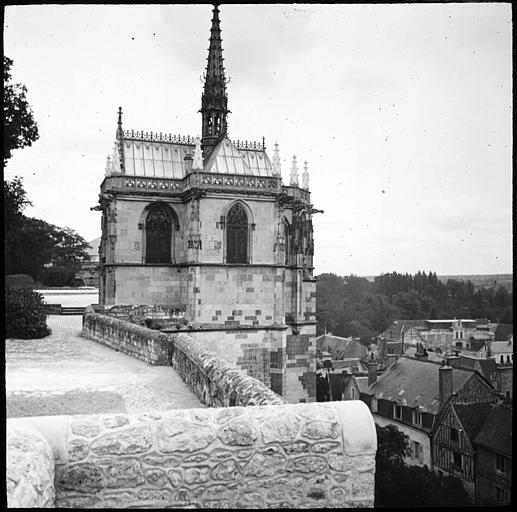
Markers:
214,101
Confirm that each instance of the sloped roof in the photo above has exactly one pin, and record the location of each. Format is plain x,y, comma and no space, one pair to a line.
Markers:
227,159
472,417
94,251
155,159
488,366
502,332
416,383
341,348
496,432
395,329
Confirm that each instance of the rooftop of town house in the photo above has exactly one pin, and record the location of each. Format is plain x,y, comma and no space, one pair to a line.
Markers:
65,374
488,366
415,383
472,417
496,432
341,348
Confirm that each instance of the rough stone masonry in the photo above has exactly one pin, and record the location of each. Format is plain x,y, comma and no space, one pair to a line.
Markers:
295,456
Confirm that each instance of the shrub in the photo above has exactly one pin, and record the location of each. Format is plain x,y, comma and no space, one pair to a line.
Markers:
19,281
25,315
57,275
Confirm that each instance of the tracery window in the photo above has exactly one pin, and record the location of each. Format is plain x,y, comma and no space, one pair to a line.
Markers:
237,235
158,235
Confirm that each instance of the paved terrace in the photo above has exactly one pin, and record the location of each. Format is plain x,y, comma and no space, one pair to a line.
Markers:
67,374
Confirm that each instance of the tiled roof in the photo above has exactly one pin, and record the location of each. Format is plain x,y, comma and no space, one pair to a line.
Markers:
341,348
394,330
496,432
416,383
502,332
472,417
488,366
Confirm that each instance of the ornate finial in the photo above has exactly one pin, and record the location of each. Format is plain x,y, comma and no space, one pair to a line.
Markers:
305,176
293,181
263,143
109,165
197,161
120,143
120,132
277,169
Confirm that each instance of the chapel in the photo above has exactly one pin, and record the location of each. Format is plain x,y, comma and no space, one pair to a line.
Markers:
207,225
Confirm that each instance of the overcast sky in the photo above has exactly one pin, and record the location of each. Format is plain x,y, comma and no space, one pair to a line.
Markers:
403,113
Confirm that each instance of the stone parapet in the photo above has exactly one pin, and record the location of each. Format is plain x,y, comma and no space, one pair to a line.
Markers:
150,346
216,382
30,468
301,455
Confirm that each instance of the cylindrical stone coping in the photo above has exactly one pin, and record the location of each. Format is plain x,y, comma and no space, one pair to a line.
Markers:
30,468
314,455
216,382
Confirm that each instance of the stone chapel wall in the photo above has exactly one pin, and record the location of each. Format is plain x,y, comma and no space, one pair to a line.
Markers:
302,456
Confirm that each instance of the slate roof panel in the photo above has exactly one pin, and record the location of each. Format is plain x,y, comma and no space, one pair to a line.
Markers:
496,432
416,382
341,348
472,417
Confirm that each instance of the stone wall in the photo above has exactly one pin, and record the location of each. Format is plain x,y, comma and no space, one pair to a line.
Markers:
216,382
302,456
30,468
150,346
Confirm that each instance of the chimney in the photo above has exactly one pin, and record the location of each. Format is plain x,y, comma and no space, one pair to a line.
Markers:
445,383
372,372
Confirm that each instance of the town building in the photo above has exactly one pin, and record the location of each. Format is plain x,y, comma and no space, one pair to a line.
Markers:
411,394
208,226
89,273
343,353
452,440
494,458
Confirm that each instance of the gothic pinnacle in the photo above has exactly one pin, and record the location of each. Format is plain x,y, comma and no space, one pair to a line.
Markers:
293,181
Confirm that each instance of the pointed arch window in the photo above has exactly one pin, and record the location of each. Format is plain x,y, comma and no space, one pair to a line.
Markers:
237,235
158,235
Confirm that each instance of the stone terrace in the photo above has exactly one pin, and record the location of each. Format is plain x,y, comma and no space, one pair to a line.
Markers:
67,374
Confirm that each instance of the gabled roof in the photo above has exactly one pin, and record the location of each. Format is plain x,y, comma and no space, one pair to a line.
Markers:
488,367
496,432
472,417
341,348
416,383
227,159
502,331
395,329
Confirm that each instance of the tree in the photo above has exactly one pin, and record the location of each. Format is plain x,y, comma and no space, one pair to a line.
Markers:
20,128
15,201
398,485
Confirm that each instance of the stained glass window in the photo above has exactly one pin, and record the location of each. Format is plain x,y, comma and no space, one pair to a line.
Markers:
158,234
237,235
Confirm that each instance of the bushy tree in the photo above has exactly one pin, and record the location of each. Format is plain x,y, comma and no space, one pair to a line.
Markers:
25,315
20,128
399,485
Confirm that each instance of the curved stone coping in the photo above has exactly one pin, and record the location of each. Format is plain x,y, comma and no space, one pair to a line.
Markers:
303,455
30,468
149,345
216,382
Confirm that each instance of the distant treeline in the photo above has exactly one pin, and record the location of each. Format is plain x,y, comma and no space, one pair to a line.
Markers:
355,306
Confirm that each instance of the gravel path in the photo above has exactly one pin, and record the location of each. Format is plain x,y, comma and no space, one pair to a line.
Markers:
66,374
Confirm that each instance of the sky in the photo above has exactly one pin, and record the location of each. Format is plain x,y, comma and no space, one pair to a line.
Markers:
402,111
